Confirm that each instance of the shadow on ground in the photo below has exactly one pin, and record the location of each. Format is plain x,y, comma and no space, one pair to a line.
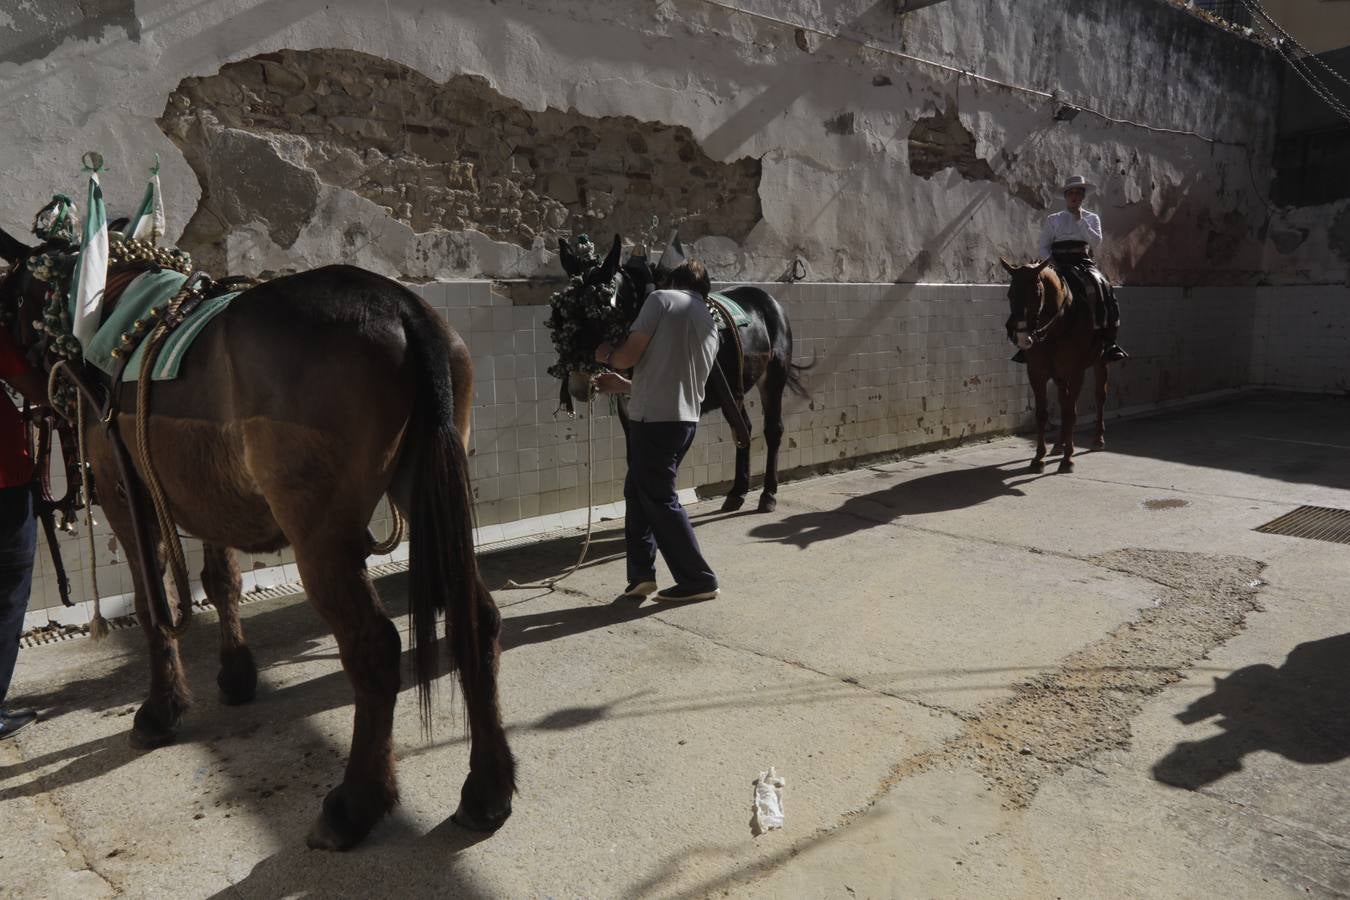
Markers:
939,492
1300,711
1296,438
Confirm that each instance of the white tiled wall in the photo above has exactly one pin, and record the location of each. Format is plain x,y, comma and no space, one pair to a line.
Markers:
896,367
1301,338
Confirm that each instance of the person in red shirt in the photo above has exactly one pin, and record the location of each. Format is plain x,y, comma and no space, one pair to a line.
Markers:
18,528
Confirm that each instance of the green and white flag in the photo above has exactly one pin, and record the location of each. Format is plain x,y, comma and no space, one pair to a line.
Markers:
147,224
91,275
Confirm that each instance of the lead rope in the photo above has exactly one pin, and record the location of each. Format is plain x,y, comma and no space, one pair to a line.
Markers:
168,529
395,535
590,504
98,626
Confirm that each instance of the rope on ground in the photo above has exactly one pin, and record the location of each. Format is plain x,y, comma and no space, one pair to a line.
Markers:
512,584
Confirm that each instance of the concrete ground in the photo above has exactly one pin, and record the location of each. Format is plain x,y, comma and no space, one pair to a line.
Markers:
977,683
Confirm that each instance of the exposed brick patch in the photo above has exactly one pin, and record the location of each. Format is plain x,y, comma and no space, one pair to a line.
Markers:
940,141
451,156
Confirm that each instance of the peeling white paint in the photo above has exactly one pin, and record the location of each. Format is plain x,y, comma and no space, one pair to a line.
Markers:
849,204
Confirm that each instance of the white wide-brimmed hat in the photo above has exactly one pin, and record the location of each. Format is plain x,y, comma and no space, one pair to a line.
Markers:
1077,181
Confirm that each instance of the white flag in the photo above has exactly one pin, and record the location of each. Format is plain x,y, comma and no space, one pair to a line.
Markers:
91,276
148,222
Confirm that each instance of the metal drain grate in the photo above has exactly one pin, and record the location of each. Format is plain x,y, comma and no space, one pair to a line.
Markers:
1317,523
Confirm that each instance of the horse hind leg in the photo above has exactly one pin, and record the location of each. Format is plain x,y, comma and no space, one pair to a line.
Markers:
1102,375
369,647
771,395
1068,414
238,675
741,485
485,798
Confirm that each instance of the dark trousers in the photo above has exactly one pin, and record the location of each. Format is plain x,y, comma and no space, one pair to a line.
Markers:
654,518
18,545
1082,274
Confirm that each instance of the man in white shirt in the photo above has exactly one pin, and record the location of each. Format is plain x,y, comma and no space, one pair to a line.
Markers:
1070,237
671,349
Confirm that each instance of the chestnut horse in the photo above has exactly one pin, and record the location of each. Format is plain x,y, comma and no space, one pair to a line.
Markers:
1059,341
301,405
763,358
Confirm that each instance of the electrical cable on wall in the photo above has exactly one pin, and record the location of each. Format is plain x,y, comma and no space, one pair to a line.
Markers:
1284,41
959,72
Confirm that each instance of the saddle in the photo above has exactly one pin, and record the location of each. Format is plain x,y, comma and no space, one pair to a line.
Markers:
730,318
1086,284
151,332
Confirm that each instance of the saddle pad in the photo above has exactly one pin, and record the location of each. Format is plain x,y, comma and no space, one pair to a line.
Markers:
738,313
147,290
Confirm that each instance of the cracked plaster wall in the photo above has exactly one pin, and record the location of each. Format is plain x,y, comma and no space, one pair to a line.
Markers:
869,166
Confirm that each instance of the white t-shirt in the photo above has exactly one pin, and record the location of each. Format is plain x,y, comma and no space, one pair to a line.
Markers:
669,379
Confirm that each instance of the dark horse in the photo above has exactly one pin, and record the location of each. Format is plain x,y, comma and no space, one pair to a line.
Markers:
764,356
1060,342
302,404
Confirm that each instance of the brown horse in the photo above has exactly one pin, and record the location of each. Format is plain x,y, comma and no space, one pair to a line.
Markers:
299,407
1060,343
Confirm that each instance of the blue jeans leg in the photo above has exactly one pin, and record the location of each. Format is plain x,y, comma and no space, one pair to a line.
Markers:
18,545
654,517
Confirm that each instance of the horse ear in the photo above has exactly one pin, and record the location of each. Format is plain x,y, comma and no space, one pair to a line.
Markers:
1007,265
611,264
568,258
13,250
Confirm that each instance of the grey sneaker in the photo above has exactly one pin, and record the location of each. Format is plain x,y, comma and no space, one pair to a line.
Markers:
679,594
12,722
638,590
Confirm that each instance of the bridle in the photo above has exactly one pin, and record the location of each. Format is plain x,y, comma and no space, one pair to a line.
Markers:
44,424
1025,334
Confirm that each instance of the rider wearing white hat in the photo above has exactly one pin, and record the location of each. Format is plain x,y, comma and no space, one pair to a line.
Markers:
1070,236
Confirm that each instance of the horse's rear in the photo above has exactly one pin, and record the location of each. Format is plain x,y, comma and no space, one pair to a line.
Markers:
305,402
766,360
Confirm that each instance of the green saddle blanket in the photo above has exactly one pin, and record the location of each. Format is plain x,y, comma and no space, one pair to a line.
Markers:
738,313
148,290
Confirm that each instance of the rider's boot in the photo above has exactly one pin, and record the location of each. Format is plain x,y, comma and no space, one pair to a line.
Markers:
1112,352
1020,356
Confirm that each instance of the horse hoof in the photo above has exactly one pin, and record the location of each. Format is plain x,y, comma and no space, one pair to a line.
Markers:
481,821
237,678
152,728
768,503
346,819
484,803
1037,466
1099,444
1066,466
733,503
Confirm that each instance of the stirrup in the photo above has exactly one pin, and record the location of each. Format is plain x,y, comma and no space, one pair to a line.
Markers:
1115,353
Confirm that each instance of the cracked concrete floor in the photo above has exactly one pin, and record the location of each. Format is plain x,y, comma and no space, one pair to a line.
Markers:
978,683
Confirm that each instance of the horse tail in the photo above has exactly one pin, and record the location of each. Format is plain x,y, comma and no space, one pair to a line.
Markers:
794,378
442,569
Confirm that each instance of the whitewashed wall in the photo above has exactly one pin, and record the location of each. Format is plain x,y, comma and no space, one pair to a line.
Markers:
898,367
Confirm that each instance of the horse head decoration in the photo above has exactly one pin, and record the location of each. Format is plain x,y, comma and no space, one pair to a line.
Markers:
599,305
1059,342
